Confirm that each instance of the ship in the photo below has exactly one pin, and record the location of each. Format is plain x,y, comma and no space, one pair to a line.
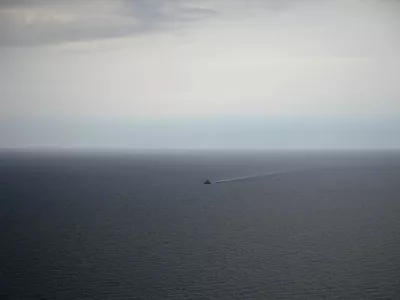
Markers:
207,182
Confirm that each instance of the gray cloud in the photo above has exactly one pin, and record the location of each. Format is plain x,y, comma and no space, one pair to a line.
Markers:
157,15
36,22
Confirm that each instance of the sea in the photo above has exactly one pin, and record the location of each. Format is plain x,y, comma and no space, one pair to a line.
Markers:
143,225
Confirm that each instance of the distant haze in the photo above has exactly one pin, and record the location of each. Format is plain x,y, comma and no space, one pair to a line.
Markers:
200,74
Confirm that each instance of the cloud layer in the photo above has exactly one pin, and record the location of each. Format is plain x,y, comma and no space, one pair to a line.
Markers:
37,22
26,22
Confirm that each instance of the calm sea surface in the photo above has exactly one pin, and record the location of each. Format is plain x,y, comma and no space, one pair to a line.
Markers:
144,226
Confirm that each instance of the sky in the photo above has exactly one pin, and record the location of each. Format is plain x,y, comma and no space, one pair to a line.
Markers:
263,74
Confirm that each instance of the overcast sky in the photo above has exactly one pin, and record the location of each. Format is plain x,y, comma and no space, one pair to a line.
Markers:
200,73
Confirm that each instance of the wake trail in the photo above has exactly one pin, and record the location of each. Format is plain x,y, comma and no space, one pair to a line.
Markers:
269,174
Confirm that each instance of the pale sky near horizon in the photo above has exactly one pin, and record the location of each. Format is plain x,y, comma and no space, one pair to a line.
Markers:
191,73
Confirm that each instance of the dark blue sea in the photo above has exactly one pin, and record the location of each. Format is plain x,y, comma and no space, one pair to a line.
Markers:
143,225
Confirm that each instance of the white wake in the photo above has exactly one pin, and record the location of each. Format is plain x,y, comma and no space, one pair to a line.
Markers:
269,174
